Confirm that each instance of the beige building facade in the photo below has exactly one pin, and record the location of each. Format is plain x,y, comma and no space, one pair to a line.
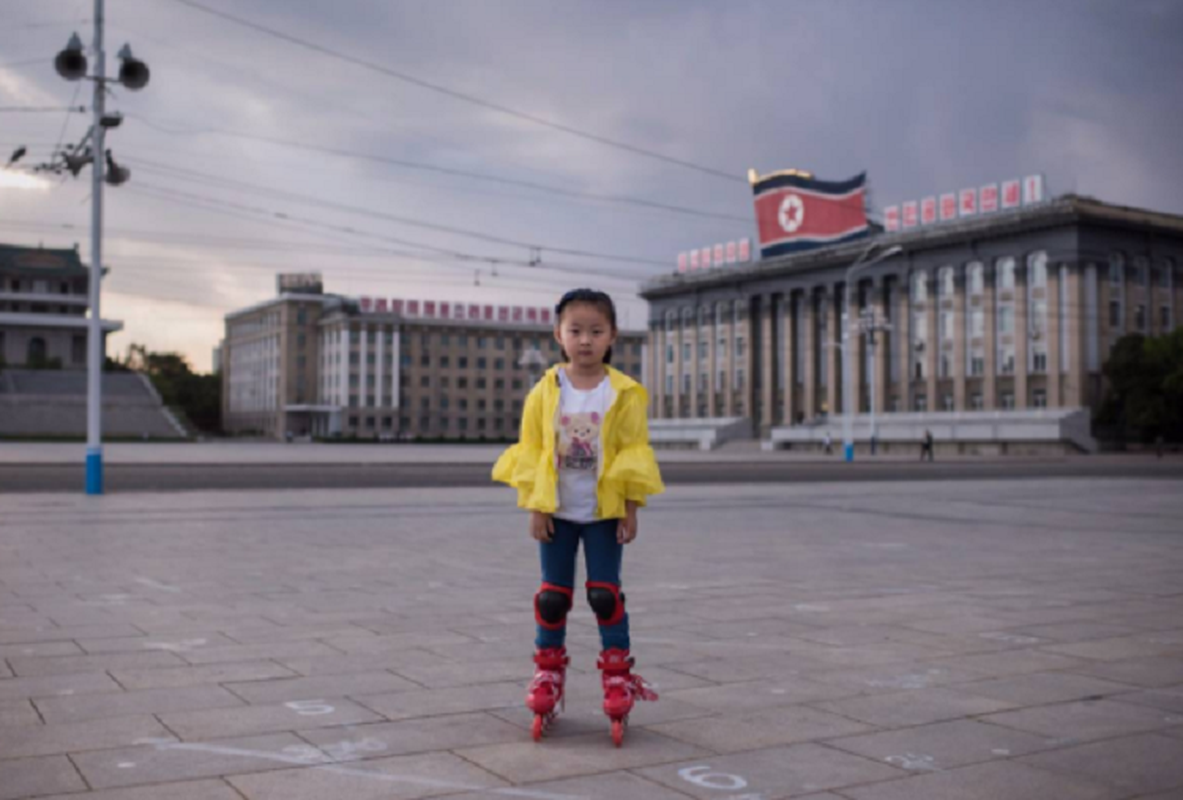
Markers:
1013,312
328,366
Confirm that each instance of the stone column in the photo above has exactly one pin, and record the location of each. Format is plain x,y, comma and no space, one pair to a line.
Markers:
661,367
729,360
379,363
713,362
855,342
809,365
990,308
789,349
1074,383
1022,335
902,338
767,376
363,342
1053,335
959,344
933,345
749,364
833,376
678,367
882,344
693,366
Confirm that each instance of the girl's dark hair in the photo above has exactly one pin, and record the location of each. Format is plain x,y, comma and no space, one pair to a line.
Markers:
591,297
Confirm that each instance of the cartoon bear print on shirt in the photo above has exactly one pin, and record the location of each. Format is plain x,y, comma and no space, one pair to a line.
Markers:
579,440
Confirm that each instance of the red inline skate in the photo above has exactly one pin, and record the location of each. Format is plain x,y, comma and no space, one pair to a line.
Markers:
547,689
622,689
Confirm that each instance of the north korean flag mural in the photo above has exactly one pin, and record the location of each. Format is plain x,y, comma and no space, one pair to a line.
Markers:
795,213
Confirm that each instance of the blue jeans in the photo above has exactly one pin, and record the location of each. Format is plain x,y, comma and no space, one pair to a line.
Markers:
603,555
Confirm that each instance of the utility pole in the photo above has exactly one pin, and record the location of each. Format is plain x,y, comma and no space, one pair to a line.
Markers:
133,74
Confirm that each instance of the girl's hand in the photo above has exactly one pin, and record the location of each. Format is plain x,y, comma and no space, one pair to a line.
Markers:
542,526
626,531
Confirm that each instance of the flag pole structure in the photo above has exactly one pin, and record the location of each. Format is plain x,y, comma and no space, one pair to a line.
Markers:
94,353
864,261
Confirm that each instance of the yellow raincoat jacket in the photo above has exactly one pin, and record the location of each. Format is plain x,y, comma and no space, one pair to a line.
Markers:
627,469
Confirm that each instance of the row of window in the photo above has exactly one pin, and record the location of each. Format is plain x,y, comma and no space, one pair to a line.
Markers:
39,286
497,424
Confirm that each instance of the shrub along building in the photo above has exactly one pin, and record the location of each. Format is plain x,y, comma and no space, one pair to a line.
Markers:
989,326
310,363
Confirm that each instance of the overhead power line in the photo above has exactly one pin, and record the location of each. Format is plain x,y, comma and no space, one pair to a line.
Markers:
462,96
452,171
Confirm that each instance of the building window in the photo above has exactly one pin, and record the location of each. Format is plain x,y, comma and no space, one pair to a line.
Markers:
975,401
1008,401
1165,319
1039,362
669,384
919,287
1006,273
481,405
947,402
685,383
445,382
1116,269
481,362
480,343
977,281
480,383
977,365
424,381
353,422
499,384
500,343
499,363
517,384
739,378
738,347
1039,399
424,361
921,403
443,401
1006,319
77,347
462,383
1114,314
1037,269
1140,318
1008,363
462,362
686,351
947,283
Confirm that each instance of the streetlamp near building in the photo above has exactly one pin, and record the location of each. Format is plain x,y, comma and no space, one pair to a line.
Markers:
864,261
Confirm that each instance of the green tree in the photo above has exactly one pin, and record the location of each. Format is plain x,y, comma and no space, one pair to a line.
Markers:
199,396
1145,377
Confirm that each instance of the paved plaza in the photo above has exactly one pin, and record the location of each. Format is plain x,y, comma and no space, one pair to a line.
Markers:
1016,639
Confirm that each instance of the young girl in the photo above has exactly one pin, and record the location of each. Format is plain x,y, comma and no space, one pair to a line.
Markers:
582,467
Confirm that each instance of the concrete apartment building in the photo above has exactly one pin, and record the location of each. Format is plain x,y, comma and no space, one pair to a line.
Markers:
323,365
999,326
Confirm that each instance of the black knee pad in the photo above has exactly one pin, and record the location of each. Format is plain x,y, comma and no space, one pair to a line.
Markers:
607,601
551,605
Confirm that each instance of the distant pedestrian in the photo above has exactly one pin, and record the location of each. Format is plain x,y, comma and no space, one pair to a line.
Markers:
926,446
828,444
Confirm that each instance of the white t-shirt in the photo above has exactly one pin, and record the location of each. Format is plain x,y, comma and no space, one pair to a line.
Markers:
581,413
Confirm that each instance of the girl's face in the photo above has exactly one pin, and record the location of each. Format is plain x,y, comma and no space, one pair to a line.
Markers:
585,333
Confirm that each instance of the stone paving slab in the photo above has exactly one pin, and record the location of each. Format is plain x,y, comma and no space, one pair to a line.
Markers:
1013,639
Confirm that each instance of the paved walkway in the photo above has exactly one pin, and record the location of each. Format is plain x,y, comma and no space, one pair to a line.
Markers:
1011,639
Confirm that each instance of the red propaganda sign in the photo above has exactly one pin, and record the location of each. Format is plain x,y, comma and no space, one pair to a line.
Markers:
545,313
745,250
1032,189
503,313
474,311
532,314
988,198
412,308
795,212
429,308
693,260
948,206
928,210
704,258
366,304
1011,194
967,202
445,310
911,214
489,313
396,305
891,218
719,250
732,248
517,313
683,262
380,305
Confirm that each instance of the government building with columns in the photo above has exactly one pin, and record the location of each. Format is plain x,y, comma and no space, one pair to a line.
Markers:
992,331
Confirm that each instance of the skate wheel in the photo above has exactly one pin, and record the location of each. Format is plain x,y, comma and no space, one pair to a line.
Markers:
618,732
536,730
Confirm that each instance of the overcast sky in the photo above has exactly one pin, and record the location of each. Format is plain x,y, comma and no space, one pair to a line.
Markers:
925,95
